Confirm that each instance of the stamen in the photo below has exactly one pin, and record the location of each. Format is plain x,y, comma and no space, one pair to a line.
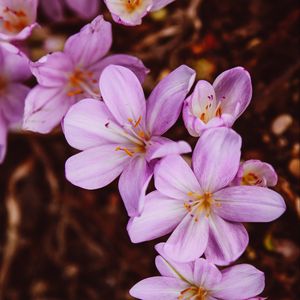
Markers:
126,150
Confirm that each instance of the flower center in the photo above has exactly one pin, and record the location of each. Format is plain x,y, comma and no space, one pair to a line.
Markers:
210,111
131,5
83,81
13,21
251,179
199,203
193,292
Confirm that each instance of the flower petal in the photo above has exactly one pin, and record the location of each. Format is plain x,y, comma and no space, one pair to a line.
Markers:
161,146
12,102
86,125
96,167
170,268
240,282
216,158
123,94
165,102
159,4
173,177
188,241
234,89
227,241
54,10
249,204
160,216
162,288
89,45
85,9
45,108
3,138
206,274
133,184
52,70
128,61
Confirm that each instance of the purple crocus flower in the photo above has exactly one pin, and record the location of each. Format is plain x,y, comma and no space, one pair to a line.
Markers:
199,207
219,104
131,12
199,280
17,19
68,76
123,133
54,9
255,172
14,68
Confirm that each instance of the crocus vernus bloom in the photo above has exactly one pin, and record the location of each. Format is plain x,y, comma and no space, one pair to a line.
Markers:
54,9
199,207
199,280
131,12
219,104
255,172
123,133
14,68
68,76
17,19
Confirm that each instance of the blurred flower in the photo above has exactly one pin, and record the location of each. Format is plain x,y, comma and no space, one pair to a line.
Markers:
219,104
131,12
255,172
199,207
199,280
54,9
14,68
68,76
123,133
17,19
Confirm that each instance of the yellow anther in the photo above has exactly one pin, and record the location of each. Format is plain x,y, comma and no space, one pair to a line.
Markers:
126,150
137,123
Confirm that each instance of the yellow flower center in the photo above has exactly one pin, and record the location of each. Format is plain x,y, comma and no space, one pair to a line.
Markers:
250,179
13,21
195,292
131,5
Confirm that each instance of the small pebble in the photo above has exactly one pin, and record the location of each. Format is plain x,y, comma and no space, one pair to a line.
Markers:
294,167
281,124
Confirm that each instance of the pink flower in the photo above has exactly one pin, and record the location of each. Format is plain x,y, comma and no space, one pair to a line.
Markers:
199,280
219,104
68,76
199,207
85,9
14,67
255,172
131,12
17,19
123,133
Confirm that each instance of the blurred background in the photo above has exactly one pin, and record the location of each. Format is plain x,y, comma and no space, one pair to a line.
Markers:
60,242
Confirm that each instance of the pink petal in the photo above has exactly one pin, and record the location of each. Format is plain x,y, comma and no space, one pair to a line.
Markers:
206,274
133,184
85,125
161,146
92,42
45,108
3,138
54,10
240,282
233,87
52,70
216,158
86,9
170,268
128,61
162,288
227,241
159,4
12,102
123,94
96,167
188,241
159,217
174,178
165,102
249,204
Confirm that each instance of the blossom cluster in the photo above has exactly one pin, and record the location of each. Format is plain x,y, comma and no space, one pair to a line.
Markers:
99,101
